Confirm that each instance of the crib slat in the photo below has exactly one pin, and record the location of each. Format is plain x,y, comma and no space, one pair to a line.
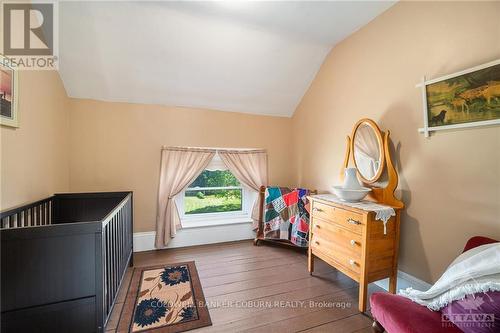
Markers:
118,250
40,220
105,267
115,247
110,249
115,257
45,213
120,237
119,234
108,246
42,214
50,211
111,259
124,236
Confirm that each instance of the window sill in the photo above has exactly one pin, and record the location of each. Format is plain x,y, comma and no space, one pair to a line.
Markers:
213,222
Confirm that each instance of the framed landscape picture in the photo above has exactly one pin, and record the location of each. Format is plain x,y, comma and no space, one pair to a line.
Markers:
8,94
465,99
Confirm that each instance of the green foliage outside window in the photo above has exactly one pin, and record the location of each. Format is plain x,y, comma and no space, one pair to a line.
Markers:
216,178
213,201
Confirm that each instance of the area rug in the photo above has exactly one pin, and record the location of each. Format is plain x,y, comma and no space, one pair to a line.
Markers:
164,299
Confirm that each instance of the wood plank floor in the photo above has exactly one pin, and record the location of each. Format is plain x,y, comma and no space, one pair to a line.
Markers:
263,289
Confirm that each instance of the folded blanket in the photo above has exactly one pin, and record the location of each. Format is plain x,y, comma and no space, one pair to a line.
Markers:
474,271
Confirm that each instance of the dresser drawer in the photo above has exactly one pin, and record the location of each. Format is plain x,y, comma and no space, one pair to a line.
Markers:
327,248
343,240
344,218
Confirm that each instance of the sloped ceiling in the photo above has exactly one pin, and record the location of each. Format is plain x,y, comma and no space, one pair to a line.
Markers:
252,57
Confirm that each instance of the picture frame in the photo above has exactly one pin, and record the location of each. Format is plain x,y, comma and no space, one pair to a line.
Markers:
9,93
469,98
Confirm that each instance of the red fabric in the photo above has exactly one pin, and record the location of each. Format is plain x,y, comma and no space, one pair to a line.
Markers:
398,314
477,241
291,198
303,226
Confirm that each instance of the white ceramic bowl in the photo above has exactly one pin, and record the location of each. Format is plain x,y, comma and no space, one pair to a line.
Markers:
350,195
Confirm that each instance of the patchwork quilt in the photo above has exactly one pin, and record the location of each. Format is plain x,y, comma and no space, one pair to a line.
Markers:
286,215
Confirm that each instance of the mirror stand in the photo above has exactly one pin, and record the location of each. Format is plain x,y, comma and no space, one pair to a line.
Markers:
383,195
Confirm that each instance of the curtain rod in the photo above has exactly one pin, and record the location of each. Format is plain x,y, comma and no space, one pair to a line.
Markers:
211,149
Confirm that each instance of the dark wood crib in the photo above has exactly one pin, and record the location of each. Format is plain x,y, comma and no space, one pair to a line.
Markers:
62,261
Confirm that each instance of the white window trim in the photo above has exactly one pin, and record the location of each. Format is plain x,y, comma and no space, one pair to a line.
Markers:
248,197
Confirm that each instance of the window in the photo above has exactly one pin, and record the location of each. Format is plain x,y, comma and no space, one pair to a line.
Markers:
215,191
215,197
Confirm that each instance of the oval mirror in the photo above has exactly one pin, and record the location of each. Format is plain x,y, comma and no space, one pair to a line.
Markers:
368,150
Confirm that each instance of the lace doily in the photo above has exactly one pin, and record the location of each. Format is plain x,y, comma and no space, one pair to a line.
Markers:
382,212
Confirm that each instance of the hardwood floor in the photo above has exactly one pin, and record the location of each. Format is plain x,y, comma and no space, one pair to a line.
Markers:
263,289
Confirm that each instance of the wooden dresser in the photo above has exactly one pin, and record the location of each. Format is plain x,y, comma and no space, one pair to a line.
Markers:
352,241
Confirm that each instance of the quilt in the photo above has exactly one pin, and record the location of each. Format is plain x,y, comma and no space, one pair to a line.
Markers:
286,215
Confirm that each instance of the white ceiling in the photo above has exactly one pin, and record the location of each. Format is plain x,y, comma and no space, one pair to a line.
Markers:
252,57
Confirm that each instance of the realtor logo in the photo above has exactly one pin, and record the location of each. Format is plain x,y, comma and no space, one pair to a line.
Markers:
29,34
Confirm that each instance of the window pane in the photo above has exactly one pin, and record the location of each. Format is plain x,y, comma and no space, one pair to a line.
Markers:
212,201
216,178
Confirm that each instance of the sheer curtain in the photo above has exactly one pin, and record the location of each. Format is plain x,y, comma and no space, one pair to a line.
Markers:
250,168
179,168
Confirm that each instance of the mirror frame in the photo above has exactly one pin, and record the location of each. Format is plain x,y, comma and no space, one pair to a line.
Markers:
379,134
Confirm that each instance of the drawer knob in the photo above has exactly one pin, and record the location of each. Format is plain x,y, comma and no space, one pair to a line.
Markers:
317,226
351,221
317,243
352,262
317,209
353,242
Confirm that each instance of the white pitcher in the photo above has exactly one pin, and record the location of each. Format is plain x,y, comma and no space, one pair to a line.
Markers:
351,181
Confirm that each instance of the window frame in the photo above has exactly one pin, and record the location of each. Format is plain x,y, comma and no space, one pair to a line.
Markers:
217,218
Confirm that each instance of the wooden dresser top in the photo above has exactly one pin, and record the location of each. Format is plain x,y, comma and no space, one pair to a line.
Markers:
331,199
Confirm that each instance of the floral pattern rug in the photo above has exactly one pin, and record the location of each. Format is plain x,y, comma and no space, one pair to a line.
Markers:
165,299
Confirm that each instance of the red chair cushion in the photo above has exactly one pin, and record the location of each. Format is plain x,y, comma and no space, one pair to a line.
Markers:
398,314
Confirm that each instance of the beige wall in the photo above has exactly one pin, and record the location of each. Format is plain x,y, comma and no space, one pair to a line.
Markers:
116,146
34,157
450,182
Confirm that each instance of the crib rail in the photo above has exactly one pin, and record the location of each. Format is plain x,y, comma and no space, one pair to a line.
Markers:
117,235
35,214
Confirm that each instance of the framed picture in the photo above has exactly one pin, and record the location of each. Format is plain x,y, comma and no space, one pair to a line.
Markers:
468,98
8,94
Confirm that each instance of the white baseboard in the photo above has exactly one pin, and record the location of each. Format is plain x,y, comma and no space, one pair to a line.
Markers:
144,241
405,280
